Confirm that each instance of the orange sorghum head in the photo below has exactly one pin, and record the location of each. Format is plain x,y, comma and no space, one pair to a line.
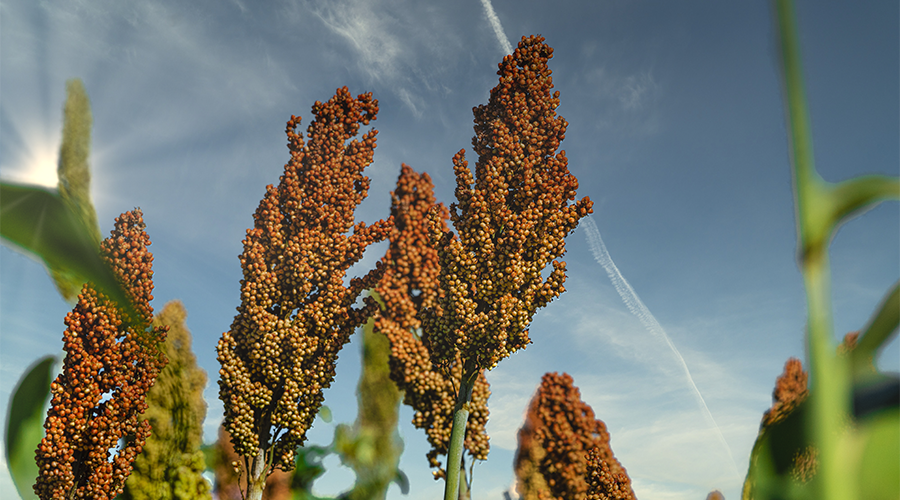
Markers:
295,312
512,218
409,285
559,432
110,365
790,390
605,483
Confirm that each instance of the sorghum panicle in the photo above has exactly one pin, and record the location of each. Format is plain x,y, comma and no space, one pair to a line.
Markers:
605,483
171,465
560,431
295,313
790,390
409,285
512,218
110,364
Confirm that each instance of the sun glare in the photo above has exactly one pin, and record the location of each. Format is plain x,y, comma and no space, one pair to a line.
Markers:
35,162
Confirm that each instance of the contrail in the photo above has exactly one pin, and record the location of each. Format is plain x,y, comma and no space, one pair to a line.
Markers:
498,28
634,304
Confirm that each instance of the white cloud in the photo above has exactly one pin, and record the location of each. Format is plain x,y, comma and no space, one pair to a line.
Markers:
407,46
371,32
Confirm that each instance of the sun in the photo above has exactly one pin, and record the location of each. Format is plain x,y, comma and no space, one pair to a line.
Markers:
33,160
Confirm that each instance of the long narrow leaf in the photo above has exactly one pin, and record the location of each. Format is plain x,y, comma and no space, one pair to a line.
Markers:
25,424
38,222
880,329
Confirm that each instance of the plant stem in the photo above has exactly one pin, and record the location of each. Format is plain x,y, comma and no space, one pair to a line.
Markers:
818,210
463,485
256,483
458,433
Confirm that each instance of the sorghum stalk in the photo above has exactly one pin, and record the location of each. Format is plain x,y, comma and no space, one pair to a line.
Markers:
512,218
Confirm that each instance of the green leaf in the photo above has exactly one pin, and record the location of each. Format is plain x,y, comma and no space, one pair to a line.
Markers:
880,441
402,481
38,222
325,414
771,472
25,424
880,329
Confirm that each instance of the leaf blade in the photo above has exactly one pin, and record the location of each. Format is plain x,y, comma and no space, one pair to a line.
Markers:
25,424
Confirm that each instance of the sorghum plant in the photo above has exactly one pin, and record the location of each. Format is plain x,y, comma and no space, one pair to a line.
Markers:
410,285
560,432
295,313
111,362
512,218
372,445
790,390
171,465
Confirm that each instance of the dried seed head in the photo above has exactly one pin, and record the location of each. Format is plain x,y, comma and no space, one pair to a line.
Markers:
409,285
560,431
512,218
295,313
110,365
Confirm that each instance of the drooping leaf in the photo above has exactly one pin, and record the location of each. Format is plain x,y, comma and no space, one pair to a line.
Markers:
37,221
878,332
402,481
25,424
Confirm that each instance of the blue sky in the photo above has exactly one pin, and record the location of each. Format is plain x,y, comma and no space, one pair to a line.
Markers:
676,131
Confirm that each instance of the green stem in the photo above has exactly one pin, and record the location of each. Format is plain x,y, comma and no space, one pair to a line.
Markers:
458,433
830,387
818,211
256,482
463,484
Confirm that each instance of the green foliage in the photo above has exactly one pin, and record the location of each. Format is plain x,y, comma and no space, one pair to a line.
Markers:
307,468
25,424
855,456
37,221
372,446
172,463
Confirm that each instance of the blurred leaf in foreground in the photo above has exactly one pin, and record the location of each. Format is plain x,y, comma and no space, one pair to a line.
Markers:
38,222
25,424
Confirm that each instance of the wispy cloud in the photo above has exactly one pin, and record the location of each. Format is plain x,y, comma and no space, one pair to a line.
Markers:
406,46
371,33
497,27
629,99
